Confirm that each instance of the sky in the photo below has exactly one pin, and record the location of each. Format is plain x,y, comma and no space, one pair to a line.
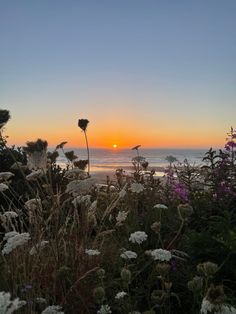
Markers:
151,72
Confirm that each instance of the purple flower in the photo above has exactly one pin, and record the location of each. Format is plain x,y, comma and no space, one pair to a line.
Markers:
181,191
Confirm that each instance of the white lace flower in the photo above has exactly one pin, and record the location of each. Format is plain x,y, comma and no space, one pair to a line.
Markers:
78,187
136,187
160,206
121,217
10,234
161,255
104,309
207,307
4,176
120,295
92,252
33,204
53,309
10,214
14,241
34,175
38,247
138,237
8,306
40,300
128,255
3,187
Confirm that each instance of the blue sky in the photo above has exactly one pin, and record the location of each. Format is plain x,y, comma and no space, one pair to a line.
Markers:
166,65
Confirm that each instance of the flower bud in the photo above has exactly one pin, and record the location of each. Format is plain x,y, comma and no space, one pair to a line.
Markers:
215,294
125,275
162,269
156,227
196,284
101,273
158,296
208,269
184,211
99,294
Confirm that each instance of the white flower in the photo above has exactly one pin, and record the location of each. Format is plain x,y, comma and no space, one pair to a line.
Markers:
37,160
136,187
40,300
53,309
34,175
14,241
10,214
207,307
82,199
121,217
92,252
161,255
10,234
37,247
33,204
78,187
3,187
120,295
104,309
138,237
128,255
4,176
160,206
8,306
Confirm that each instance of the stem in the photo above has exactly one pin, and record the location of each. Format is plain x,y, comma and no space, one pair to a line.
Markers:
86,139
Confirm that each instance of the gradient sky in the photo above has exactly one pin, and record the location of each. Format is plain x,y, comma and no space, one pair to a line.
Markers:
155,73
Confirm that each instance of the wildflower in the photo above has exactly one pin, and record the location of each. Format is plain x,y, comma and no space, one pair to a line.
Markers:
70,155
161,255
92,252
37,154
4,176
120,295
121,217
138,237
75,173
128,255
40,300
207,268
14,241
136,187
195,284
8,306
10,214
184,211
99,294
8,235
136,147
53,309
3,187
78,187
37,247
4,117
34,175
83,123
156,227
61,145
125,275
82,199
33,204
104,309
160,206
207,307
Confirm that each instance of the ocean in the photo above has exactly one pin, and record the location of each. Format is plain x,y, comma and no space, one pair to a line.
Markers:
112,159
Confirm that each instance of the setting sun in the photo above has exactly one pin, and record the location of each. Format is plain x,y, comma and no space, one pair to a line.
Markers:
114,146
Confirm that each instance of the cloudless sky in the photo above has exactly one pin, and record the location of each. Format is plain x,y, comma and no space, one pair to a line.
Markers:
151,72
